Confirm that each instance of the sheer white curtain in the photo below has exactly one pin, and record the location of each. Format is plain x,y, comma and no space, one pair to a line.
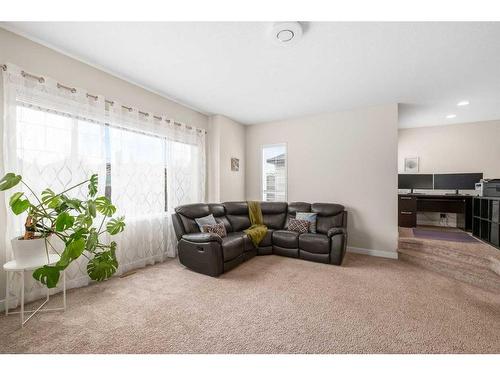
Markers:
53,138
56,137
157,164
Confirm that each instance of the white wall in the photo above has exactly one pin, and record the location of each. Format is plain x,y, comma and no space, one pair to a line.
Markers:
471,147
226,141
345,157
38,59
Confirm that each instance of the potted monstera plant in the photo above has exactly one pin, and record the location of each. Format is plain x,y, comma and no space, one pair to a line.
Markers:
70,227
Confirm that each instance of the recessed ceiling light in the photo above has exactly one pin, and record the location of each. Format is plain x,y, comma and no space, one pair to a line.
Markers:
286,33
451,115
463,103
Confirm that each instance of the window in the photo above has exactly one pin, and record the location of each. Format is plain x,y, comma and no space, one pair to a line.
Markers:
137,173
133,166
274,173
56,150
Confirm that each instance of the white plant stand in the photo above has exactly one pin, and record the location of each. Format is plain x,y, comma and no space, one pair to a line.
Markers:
13,267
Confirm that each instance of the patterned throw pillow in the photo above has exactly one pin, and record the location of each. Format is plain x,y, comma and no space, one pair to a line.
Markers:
219,229
309,216
299,226
205,220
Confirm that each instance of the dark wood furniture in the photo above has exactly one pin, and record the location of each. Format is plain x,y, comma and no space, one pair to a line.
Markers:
410,204
486,219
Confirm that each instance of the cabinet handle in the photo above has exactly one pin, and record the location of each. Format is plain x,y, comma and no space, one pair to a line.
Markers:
406,213
406,198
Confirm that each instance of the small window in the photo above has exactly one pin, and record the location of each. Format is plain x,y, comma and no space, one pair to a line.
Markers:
274,173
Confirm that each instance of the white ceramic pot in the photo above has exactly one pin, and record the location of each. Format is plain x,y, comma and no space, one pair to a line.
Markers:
29,252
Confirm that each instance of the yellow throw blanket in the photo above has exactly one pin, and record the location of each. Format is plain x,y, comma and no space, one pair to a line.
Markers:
258,230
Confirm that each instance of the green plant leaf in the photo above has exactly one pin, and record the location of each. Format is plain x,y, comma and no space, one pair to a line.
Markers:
116,226
75,204
70,203
47,275
64,221
17,204
104,206
93,185
102,266
92,241
65,260
47,195
75,248
83,220
50,199
79,233
91,208
9,181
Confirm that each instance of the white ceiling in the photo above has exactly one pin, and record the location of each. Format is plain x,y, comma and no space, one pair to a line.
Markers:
236,70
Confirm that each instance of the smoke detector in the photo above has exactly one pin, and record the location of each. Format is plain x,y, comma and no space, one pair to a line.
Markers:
286,33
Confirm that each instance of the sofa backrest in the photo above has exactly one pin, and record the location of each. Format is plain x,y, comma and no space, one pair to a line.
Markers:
293,208
188,212
219,212
274,214
237,214
234,215
329,215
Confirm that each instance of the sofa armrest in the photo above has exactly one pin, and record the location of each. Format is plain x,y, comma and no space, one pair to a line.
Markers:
337,230
202,237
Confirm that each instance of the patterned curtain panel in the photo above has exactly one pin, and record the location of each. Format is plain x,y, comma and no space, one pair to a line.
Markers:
147,165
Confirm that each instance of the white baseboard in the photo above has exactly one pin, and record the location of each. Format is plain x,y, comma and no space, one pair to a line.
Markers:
375,253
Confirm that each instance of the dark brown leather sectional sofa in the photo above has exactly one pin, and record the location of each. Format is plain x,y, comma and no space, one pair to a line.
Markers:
212,255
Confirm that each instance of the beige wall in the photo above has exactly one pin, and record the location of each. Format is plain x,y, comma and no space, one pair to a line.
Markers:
38,59
471,147
226,140
346,157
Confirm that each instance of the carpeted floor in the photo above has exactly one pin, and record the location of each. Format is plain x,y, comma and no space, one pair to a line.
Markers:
269,304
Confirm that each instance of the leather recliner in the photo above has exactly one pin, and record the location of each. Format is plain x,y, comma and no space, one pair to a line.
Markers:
212,255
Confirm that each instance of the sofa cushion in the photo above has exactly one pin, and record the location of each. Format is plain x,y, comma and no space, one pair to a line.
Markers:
314,243
232,245
286,238
268,239
247,243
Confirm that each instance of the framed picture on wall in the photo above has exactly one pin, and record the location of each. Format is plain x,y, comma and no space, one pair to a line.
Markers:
235,164
411,164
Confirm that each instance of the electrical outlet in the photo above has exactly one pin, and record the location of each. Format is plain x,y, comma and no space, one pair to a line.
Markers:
442,216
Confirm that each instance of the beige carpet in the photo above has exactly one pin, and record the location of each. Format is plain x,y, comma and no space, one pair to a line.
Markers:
476,263
270,304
